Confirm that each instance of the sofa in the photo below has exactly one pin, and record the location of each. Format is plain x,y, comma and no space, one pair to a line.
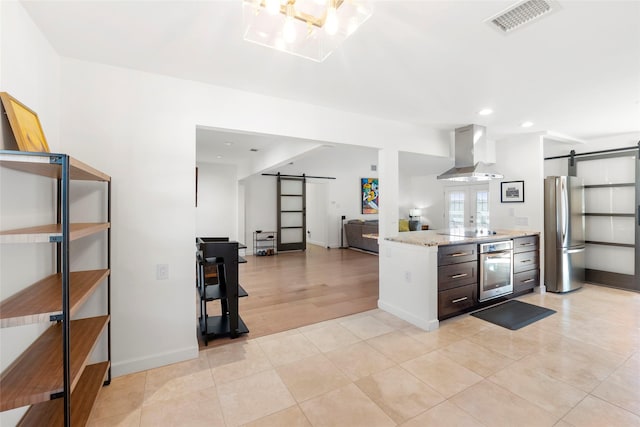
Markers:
354,229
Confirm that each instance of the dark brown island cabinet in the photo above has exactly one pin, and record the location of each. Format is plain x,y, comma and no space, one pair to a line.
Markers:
54,375
458,275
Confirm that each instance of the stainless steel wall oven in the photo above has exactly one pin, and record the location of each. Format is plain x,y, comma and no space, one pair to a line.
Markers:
496,269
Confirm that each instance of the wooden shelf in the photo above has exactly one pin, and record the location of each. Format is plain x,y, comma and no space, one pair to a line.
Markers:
37,373
38,302
51,413
44,233
40,164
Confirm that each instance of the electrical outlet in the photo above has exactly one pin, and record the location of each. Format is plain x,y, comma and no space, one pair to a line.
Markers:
162,271
407,276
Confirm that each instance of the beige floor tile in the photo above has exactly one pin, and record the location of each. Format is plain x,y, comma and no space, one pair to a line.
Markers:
398,346
359,360
122,397
563,424
253,397
445,413
581,365
556,397
172,381
129,419
511,344
622,388
391,320
465,325
476,358
287,349
290,417
311,377
593,412
237,360
366,327
442,374
331,337
432,340
200,408
346,406
492,405
399,394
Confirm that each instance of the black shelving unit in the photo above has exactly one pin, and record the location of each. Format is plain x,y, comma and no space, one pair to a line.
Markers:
264,243
222,256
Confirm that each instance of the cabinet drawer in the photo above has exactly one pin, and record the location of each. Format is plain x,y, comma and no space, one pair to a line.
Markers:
456,300
525,261
454,275
453,254
526,280
525,244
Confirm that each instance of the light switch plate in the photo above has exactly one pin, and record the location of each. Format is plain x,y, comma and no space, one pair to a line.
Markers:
162,271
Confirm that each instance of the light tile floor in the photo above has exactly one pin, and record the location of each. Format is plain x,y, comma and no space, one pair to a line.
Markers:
578,367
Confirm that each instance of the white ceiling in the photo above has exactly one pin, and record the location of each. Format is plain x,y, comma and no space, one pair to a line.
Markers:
432,63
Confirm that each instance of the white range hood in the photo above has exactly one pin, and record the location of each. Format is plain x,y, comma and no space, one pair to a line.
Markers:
466,167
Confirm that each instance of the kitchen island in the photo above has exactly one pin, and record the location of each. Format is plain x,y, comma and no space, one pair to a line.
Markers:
409,270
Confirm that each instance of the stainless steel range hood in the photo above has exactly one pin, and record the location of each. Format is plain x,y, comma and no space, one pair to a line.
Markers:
466,167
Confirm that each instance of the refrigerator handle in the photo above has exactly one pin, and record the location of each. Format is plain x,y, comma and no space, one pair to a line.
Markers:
563,213
573,251
638,216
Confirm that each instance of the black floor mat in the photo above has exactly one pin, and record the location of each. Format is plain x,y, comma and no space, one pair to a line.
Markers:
513,314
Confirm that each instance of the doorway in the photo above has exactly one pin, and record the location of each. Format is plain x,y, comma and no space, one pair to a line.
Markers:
317,214
467,206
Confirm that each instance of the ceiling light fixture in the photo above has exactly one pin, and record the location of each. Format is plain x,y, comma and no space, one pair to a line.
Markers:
526,124
311,29
485,112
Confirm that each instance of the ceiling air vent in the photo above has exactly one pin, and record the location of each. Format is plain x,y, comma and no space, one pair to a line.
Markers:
521,13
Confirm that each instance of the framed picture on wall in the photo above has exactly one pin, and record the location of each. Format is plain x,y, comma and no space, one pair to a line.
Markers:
512,192
369,193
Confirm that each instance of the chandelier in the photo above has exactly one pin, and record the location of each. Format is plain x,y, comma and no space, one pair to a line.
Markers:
311,29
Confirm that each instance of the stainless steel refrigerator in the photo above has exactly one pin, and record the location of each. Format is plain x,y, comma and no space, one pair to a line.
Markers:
563,233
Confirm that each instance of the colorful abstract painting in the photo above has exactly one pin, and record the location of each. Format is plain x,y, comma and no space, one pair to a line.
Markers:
370,195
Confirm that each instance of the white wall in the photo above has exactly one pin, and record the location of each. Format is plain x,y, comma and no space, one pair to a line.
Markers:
317,218
519,159
217,211
29,71
426,193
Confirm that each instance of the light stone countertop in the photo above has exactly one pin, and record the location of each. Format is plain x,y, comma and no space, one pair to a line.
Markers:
438,238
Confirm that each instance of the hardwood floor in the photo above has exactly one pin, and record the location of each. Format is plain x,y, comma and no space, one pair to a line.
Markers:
294,289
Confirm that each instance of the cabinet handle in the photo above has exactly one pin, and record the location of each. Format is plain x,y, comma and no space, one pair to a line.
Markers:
460,254
526,244
526,260
528,281
457,276
455,301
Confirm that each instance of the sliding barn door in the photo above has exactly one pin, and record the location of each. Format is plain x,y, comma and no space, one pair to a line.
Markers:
292,221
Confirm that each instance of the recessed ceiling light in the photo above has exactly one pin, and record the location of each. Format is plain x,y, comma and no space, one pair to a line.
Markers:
526,124
228,144
485,111
218,157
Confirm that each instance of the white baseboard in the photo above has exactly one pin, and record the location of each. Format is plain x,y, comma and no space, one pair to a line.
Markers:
144,363
427,325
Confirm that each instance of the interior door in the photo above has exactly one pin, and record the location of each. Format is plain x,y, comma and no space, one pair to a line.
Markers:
292,213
